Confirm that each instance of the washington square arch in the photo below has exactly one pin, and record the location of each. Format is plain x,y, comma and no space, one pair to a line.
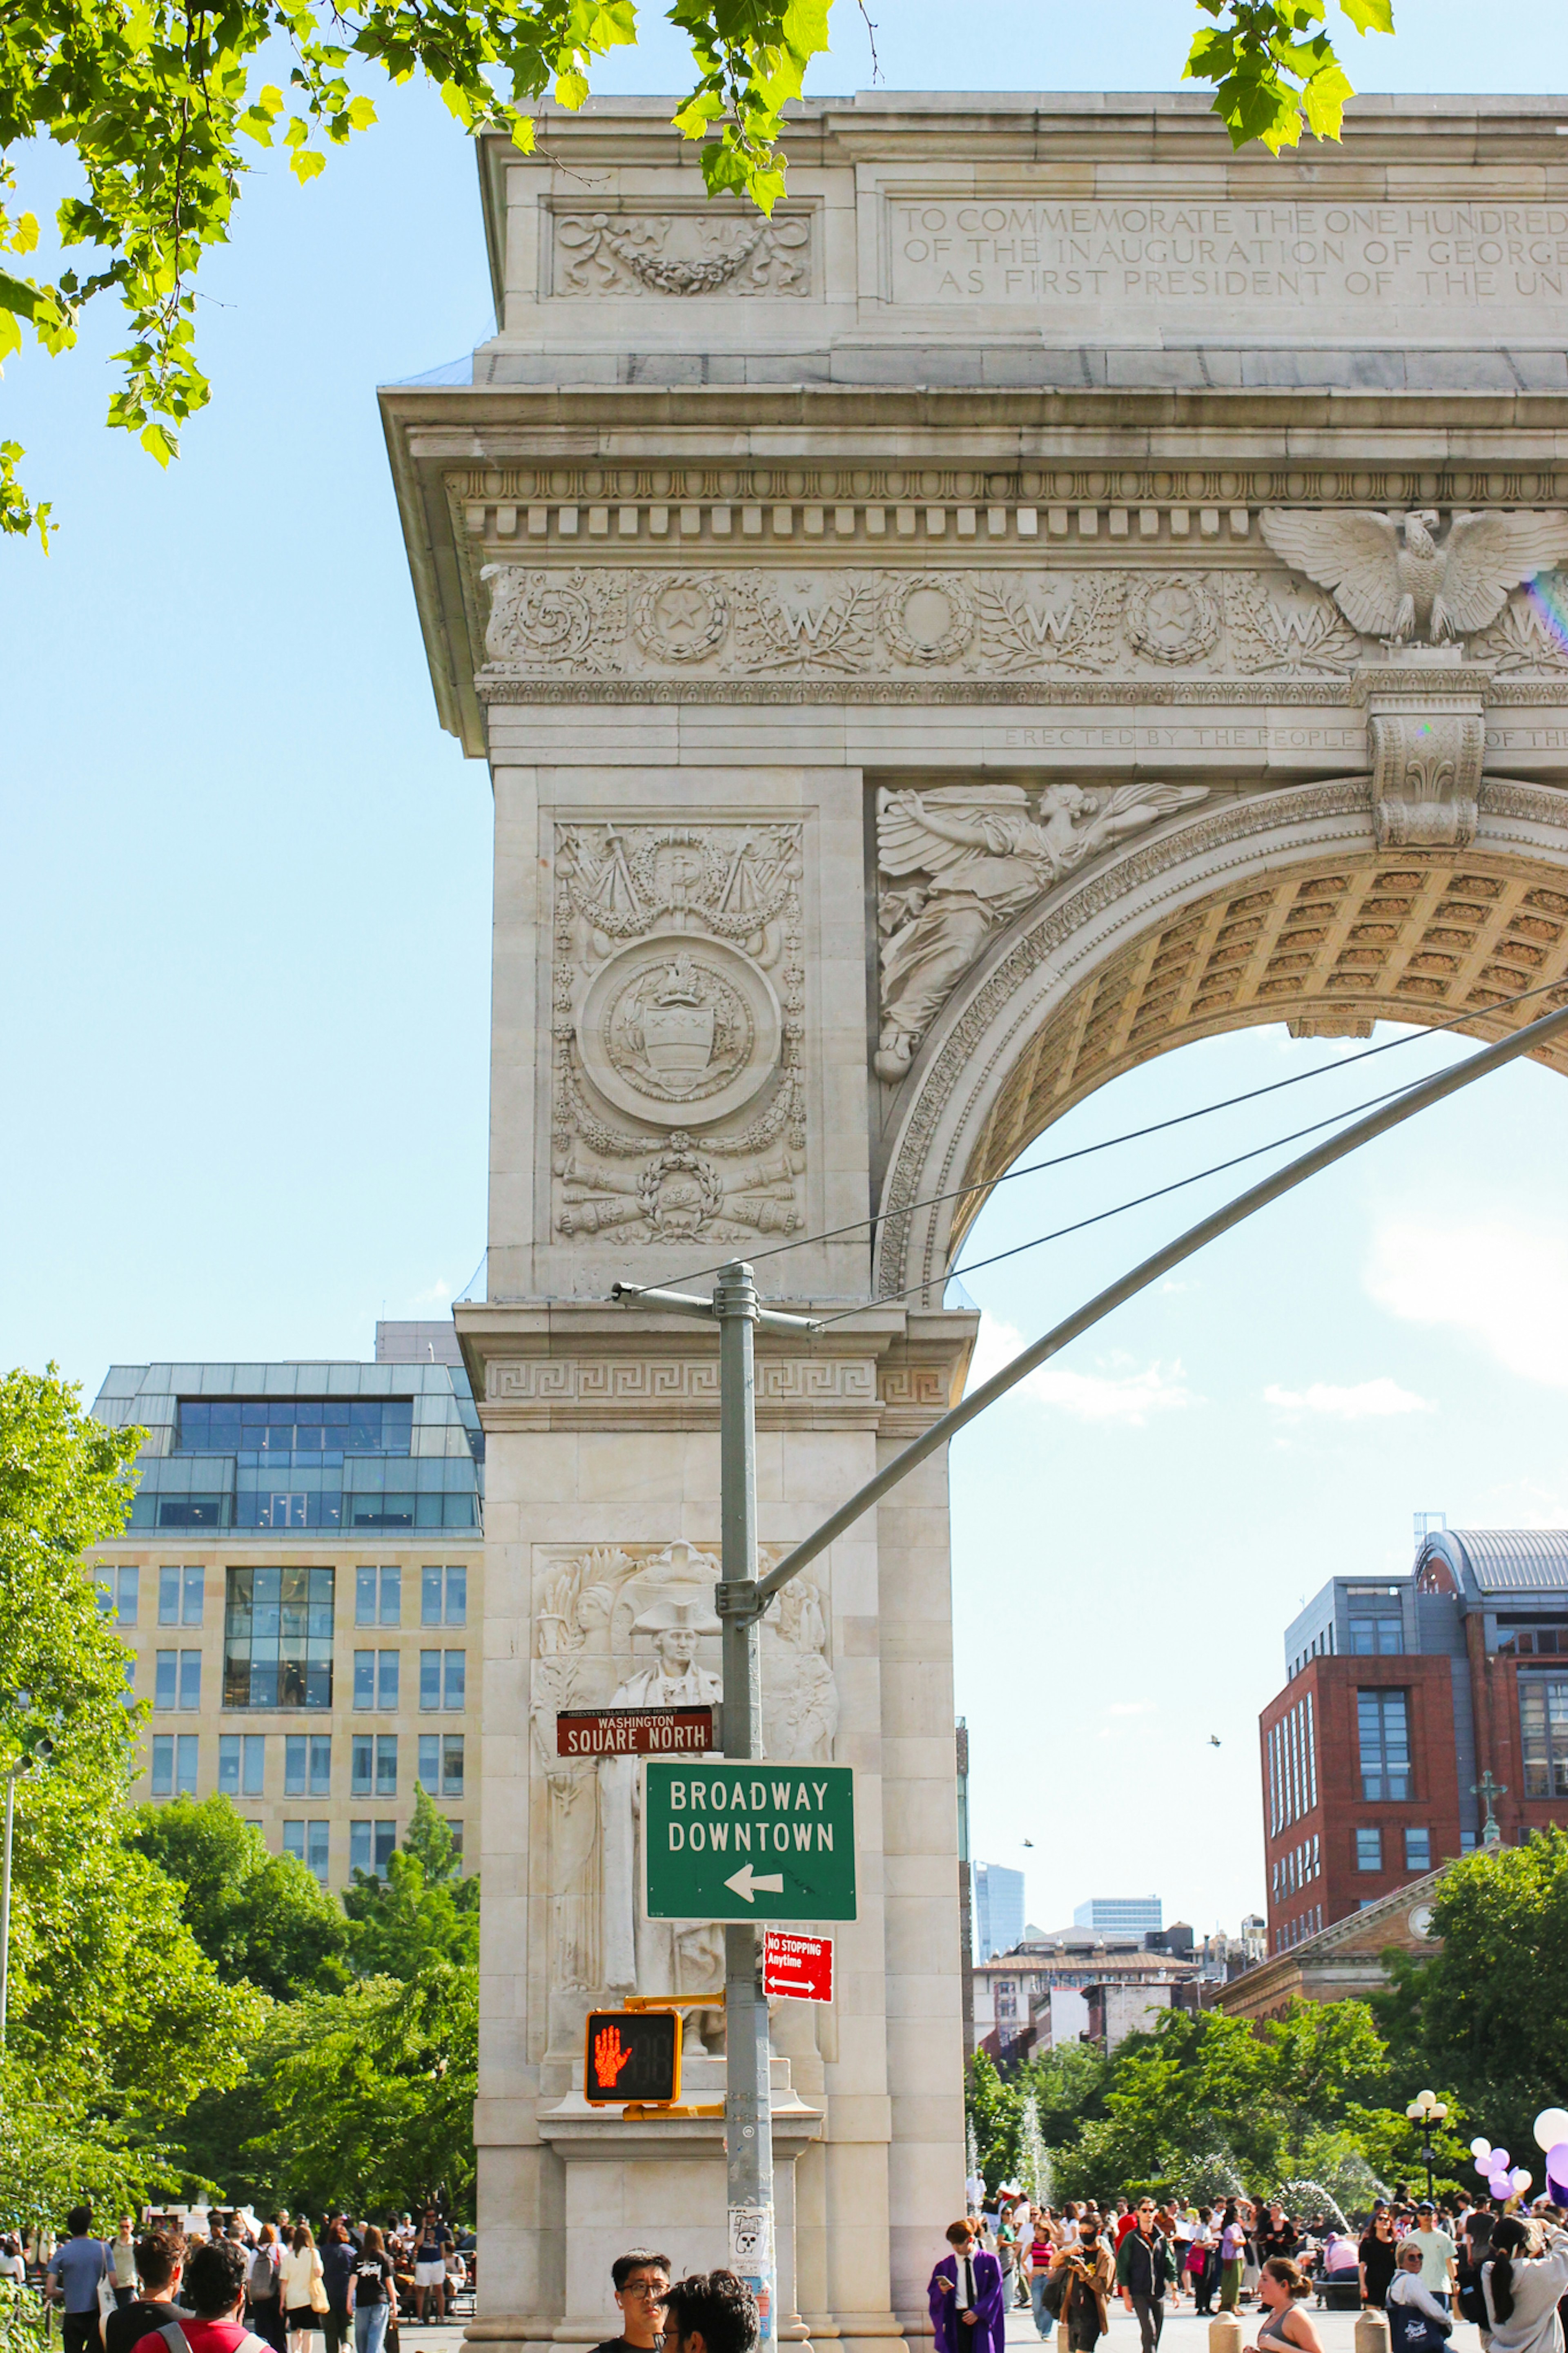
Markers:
1052,592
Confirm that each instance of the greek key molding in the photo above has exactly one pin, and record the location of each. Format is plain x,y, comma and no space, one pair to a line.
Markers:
590,1381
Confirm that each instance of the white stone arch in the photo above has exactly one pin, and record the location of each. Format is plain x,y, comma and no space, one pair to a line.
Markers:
974,1098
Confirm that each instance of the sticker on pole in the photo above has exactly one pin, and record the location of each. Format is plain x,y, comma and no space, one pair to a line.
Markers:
797,1966
751,2236
736,1841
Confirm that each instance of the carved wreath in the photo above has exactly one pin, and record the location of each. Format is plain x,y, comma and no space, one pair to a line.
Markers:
927,653
1172,616
707,616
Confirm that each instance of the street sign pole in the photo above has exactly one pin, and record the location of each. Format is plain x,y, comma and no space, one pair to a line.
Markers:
747,2092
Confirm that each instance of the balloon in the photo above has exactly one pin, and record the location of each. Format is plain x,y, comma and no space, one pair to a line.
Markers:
1557,2160
1552,2127
1479,2147
1500,2160
1485,2167
1521,2181
1500,2186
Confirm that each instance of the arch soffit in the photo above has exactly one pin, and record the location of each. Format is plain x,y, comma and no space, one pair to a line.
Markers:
1278,907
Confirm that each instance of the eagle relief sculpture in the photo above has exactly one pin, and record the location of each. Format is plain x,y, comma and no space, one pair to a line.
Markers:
1392,580
964,860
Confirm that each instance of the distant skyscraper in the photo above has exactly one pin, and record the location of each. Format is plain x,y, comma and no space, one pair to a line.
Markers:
1125,1916
998,1908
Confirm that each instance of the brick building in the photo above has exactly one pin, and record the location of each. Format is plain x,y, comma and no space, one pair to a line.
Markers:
1402,1696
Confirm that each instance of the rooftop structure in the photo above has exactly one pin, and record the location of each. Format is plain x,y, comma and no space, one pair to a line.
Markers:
1134,1915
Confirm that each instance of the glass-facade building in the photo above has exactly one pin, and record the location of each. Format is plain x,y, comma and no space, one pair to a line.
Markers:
300,1586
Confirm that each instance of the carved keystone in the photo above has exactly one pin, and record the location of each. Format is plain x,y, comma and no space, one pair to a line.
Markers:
1426,737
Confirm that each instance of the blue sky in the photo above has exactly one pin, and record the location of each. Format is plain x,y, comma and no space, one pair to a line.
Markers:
244,915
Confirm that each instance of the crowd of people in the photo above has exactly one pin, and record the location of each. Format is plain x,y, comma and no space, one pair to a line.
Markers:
1426,2263
350,2282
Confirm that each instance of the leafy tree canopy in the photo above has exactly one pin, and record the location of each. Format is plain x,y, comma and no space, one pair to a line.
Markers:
255,1915
158,103
1488,2010
117,2017
1307,2095
422,1912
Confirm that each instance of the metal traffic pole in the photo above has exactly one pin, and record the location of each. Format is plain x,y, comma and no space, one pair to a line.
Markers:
748,2093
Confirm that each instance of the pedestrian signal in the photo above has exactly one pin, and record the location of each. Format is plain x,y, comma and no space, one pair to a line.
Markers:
632,2054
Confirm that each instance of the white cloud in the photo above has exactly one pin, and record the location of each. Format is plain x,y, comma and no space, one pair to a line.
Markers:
1363,1401
439,1294
1504,1284
1128,1396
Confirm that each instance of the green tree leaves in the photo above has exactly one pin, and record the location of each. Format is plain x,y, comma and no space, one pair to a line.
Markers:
1274,76
255,1915
1489,2011
156,100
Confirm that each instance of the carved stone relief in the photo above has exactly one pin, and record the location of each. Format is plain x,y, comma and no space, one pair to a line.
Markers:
681,253
956,864
633,1626
678,992
849,621
1427,772
1392,578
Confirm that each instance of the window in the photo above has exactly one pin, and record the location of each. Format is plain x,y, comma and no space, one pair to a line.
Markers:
118,1591
378,1597
1417,1850
1525,1637
457,1831
371,1845
442,1677
166,1684
180,1593
386,1764
444,1597
1543,1723
307,1426
241,1764
441,1763
308,1764
1369,1850
175,1764
277,1637
190,1679
168,1597
1383,1721
310,1843
375,1679
1376,1637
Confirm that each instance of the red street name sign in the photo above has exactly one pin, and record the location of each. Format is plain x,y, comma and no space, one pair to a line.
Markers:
795,1966
633,1731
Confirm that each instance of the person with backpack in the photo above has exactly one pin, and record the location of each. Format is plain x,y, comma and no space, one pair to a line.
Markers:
160,2259
1521,2287
215,2288
264,2288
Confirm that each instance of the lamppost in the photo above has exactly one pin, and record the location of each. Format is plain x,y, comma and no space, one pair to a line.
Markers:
1425,2111
36,1748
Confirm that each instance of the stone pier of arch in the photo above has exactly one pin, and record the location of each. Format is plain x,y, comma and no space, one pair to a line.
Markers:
1055,591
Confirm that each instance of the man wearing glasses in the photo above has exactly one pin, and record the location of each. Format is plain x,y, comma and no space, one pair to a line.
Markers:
641,2282
1145,2269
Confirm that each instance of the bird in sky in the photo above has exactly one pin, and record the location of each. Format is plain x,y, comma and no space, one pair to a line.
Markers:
1214,1740
1028,1842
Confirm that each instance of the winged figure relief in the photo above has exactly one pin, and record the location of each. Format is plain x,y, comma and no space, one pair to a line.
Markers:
964,861
1392,579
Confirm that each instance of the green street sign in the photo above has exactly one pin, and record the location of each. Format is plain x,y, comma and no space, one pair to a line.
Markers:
761,1842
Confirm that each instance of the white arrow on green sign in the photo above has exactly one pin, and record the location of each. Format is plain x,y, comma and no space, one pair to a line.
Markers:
736,1841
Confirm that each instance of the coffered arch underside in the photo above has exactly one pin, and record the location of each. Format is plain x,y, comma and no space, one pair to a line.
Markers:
1279,909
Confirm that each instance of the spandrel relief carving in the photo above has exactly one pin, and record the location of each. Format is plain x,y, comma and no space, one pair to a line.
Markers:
958,863
679,1108
633,1626
891,623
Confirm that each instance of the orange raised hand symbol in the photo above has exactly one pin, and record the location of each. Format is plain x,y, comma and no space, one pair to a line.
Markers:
609,2056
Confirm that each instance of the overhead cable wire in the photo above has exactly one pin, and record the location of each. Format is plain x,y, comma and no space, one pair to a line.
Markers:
1137,1134
1177,1185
